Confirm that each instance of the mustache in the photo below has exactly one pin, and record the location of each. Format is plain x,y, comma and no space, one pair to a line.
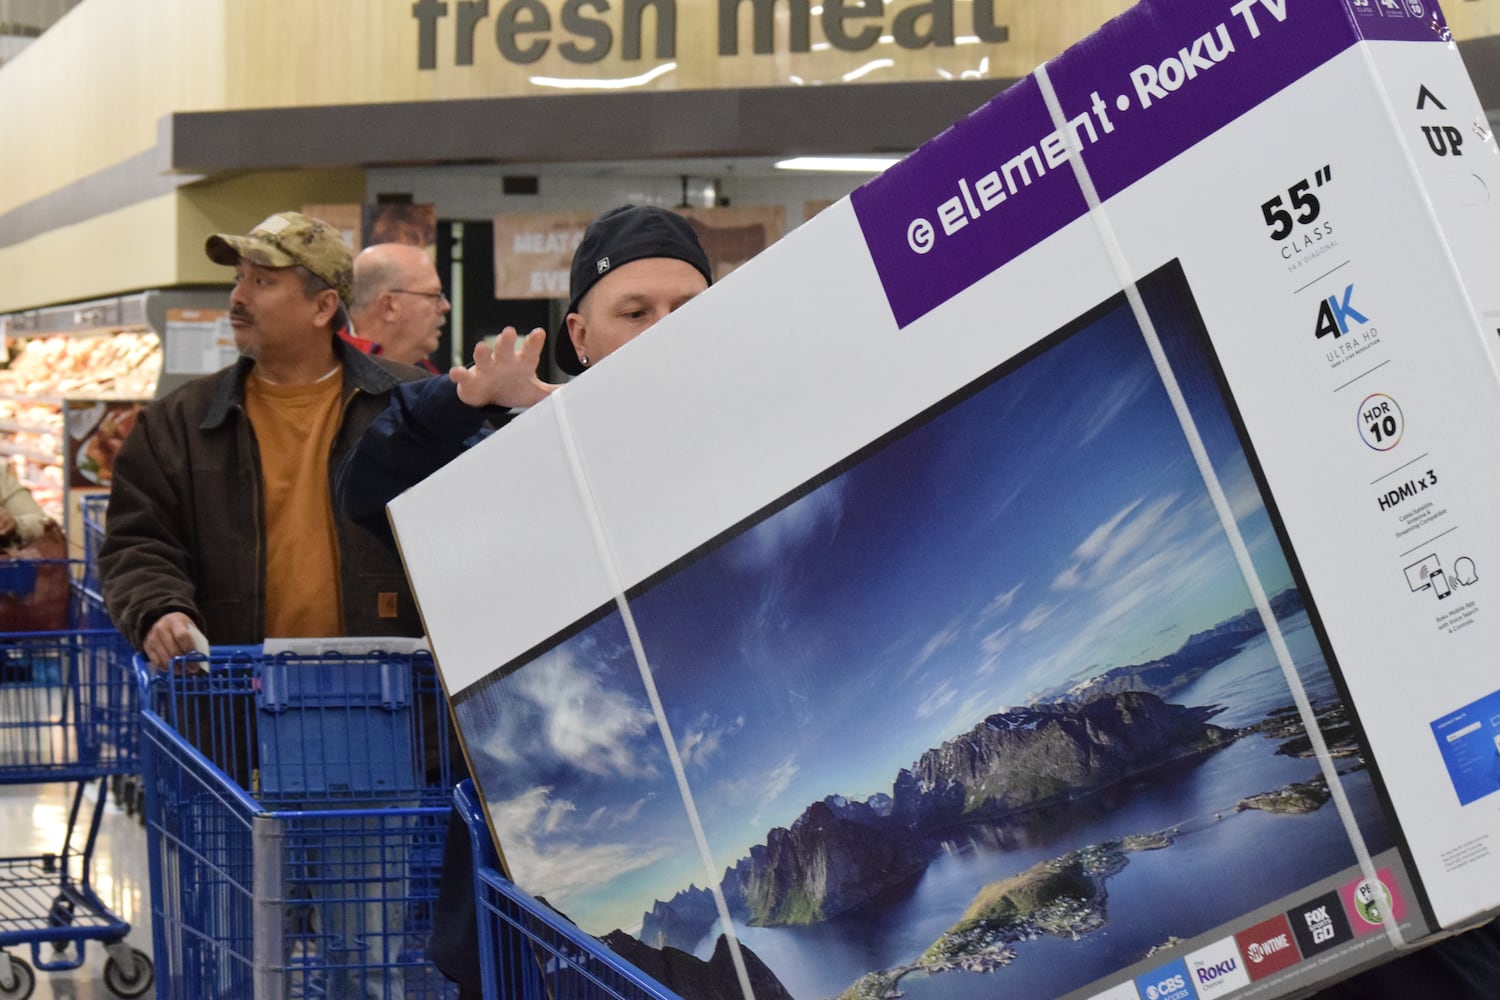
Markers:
240,312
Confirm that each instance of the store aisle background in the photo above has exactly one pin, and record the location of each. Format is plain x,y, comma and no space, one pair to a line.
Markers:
33,820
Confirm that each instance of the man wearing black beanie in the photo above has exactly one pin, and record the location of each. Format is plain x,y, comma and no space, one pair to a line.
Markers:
635,265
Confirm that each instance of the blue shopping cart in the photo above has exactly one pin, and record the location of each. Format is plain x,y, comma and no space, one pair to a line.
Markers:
295,808
67,714
92,508
527,951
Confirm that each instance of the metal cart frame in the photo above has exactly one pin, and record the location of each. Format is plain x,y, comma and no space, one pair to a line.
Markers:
295,808
67,714
529,952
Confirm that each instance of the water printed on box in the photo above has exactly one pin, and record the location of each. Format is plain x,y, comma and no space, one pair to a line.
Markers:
848,621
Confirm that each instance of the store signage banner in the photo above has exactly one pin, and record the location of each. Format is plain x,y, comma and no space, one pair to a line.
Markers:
346,218
414,225
998,602
731,236
198,341
365,225
534,251
95,431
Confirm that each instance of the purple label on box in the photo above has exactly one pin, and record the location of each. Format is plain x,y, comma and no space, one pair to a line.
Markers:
1144,88
975,197
1399,20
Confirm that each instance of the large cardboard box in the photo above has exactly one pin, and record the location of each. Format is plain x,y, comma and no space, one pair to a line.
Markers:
1062,568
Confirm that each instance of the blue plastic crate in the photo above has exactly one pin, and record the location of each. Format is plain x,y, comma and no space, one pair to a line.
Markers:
336,733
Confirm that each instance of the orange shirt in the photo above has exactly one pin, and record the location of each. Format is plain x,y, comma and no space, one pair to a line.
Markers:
294,428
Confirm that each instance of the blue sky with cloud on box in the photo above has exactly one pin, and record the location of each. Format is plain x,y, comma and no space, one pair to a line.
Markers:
1047,528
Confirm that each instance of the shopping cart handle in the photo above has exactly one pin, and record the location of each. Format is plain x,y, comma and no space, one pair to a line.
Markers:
466,801
145,674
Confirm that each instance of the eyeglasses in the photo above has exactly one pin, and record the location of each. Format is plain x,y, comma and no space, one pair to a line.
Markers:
436,297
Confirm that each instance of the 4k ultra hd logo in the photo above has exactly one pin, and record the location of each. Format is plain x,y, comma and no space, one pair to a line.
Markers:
1335,315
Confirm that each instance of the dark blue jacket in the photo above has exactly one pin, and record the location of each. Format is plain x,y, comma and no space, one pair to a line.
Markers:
423,428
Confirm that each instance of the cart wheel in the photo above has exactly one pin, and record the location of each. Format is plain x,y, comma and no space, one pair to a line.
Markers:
133,983
61,915
23,980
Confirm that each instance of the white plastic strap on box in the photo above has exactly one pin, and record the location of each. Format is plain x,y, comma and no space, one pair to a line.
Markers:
1126,279
612,579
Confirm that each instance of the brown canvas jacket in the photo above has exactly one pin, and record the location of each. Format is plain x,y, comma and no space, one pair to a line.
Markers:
185,524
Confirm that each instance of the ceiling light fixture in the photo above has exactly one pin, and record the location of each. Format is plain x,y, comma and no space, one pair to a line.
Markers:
563,83
839,164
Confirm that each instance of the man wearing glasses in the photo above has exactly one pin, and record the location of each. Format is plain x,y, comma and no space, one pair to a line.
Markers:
399,306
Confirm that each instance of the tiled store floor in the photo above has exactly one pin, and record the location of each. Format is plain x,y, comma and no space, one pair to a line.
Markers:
33,820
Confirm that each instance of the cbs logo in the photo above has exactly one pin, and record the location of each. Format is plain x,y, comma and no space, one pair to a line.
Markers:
1165,988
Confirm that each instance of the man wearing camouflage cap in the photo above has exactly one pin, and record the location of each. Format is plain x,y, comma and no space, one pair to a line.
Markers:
220,522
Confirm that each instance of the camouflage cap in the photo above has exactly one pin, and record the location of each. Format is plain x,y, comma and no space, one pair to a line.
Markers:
287,239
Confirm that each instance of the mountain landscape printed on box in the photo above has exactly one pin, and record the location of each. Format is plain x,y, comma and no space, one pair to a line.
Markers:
987,690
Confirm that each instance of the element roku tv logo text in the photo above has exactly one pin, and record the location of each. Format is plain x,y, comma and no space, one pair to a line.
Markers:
1150,84
989,191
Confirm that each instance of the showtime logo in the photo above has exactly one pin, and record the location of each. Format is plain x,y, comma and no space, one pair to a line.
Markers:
1268,947
1259,951
1218,969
